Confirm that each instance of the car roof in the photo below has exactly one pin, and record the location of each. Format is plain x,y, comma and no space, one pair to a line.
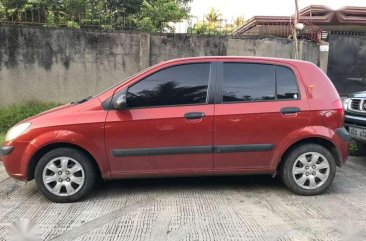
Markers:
226,58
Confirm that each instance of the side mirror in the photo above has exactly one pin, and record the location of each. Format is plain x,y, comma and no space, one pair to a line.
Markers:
120,100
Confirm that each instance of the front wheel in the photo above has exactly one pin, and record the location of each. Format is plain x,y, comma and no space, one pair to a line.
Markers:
65,175
308,170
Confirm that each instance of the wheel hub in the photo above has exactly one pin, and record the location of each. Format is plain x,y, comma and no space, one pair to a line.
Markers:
311,170
63,176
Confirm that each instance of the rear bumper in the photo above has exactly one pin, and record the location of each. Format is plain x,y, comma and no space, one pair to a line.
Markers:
343,134
342,140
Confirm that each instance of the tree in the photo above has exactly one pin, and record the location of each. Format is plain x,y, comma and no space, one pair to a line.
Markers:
156,15
145,15
213,18
239,21
214,24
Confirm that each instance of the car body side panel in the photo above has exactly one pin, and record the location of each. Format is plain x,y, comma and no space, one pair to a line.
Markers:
158,129
255,123
87,138
310,131
258,123
320,89
81,125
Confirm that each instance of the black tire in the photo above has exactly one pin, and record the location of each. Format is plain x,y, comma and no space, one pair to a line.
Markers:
289,162
89,174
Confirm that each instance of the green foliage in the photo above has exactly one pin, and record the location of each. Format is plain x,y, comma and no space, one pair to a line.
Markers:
11,115
72,24
51,20
214,24
155,16
145,15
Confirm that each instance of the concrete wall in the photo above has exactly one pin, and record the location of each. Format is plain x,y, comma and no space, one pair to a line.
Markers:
62,65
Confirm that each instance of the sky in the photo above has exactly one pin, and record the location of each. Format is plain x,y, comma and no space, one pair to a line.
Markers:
231,9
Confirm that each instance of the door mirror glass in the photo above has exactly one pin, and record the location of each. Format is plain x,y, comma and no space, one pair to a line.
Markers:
120,101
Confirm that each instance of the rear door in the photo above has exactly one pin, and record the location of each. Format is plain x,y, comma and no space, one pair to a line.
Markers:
167,126
259,107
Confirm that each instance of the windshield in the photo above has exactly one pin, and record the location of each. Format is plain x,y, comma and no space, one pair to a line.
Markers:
140,72
104,91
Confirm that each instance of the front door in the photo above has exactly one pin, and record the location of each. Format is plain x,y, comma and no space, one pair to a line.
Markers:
261,105
167,126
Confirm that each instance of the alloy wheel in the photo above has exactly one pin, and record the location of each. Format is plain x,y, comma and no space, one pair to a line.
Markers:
311,170
63,176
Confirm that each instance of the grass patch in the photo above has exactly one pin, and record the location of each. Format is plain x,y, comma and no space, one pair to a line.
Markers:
357,149
353,149
2,137
12,114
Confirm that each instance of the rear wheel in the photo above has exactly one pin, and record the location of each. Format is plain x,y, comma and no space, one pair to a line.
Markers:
308,170
65,175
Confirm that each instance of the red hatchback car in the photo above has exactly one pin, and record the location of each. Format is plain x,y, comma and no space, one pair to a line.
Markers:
191,116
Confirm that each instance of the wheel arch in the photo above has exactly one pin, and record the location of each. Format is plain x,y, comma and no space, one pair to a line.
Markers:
42,151
329,145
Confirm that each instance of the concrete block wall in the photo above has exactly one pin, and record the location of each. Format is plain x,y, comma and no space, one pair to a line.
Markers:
61,65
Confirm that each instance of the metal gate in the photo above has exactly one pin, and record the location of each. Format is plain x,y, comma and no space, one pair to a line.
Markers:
347,61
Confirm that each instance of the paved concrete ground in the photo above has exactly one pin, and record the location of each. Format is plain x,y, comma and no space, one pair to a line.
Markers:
209,208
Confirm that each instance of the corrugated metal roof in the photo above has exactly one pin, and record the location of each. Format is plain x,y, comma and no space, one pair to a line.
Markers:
315,14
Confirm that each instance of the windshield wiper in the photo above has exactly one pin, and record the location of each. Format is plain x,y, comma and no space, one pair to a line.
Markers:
82,100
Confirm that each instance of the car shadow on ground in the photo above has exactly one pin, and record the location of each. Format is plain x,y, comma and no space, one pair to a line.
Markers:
254,182
257,184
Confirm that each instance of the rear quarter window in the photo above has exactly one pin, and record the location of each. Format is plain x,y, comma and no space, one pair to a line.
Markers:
286,82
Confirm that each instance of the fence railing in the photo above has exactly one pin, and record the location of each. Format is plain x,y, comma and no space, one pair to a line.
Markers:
57,18
281,27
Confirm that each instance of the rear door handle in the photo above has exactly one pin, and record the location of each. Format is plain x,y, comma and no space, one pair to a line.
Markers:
194,115
290,110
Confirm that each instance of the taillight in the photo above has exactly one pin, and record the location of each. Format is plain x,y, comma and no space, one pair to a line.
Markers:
338,106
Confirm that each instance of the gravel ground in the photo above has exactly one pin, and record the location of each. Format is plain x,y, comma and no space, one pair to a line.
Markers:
207,208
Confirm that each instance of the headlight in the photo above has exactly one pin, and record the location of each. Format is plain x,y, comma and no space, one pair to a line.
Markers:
16,131
345,103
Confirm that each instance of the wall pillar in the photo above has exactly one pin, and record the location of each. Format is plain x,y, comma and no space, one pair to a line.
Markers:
323,56
144,51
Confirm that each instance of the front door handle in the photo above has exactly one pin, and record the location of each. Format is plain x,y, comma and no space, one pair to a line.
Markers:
290,110
194,115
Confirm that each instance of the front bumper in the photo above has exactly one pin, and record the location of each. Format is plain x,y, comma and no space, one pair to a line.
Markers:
355,120
15,158
358,121
6,150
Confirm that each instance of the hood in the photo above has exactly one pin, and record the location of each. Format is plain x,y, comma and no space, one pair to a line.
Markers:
48,112
361,94
68,114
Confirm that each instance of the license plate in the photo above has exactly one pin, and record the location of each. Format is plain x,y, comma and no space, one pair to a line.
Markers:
358,133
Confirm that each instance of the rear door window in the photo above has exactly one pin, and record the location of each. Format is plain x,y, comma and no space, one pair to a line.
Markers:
248,82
